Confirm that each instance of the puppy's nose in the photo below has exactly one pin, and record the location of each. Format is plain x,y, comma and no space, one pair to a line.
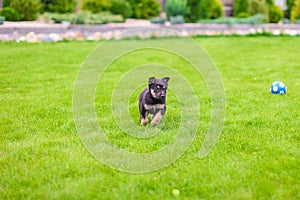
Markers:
162,96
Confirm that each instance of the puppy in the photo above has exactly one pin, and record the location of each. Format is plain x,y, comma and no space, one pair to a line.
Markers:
153,100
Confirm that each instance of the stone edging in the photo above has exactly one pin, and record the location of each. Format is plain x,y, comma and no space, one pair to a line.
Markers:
59,32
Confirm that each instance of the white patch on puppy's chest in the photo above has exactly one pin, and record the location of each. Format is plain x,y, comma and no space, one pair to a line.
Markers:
154,108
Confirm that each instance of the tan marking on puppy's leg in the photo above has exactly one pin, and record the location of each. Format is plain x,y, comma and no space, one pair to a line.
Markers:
156,119
144,121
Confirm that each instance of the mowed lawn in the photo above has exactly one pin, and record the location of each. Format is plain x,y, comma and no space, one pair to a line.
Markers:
256,157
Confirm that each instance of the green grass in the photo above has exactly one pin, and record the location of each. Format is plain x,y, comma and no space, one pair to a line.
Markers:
256,157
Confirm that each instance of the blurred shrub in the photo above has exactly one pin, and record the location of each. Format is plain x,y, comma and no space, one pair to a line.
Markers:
256,19
204,9
295,12
275,13
84,17
58,6
121,7
28,9
253,7
2,19
10,14
176,8
270,2
286,21
57,18
243,15
5,3
178,19
99,18
211,9
96,6
158,20
144,9
240,6
257,6
194,11
290,5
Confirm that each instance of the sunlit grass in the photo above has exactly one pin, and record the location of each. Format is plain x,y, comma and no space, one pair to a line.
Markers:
256,157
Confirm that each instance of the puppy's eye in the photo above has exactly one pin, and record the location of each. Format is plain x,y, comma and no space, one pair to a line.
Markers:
157,88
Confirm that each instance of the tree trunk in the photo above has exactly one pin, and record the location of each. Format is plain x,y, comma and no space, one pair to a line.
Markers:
162,5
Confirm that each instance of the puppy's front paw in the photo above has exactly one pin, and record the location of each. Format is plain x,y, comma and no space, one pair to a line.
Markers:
153,123
144,122
156,119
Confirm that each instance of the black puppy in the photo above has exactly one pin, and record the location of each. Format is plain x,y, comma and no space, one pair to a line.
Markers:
153,100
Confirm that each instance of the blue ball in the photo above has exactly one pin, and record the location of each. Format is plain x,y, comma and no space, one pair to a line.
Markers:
278,87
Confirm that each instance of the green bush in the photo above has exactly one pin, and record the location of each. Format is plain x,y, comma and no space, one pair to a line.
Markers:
204,9
121,7
290,5
57,17
194,11
295,12
2,19
84,17
158,20
10,14
5,3
256,19
275,14
216,9
145,9
251,7
286,21
211,9
58,6
28,9
176,8
257,6
243,15
240,6
87,18
178,19
98,18
96,6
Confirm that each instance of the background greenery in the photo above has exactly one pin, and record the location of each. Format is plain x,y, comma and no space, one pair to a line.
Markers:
184,10
256,157
58,6
144,9
83,17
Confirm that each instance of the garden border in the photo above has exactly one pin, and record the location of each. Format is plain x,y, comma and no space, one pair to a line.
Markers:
39,32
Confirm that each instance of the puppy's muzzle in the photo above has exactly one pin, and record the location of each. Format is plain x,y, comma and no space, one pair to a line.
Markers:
163,95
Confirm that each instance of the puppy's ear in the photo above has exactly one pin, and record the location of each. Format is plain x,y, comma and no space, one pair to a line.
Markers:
151,80
166,79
